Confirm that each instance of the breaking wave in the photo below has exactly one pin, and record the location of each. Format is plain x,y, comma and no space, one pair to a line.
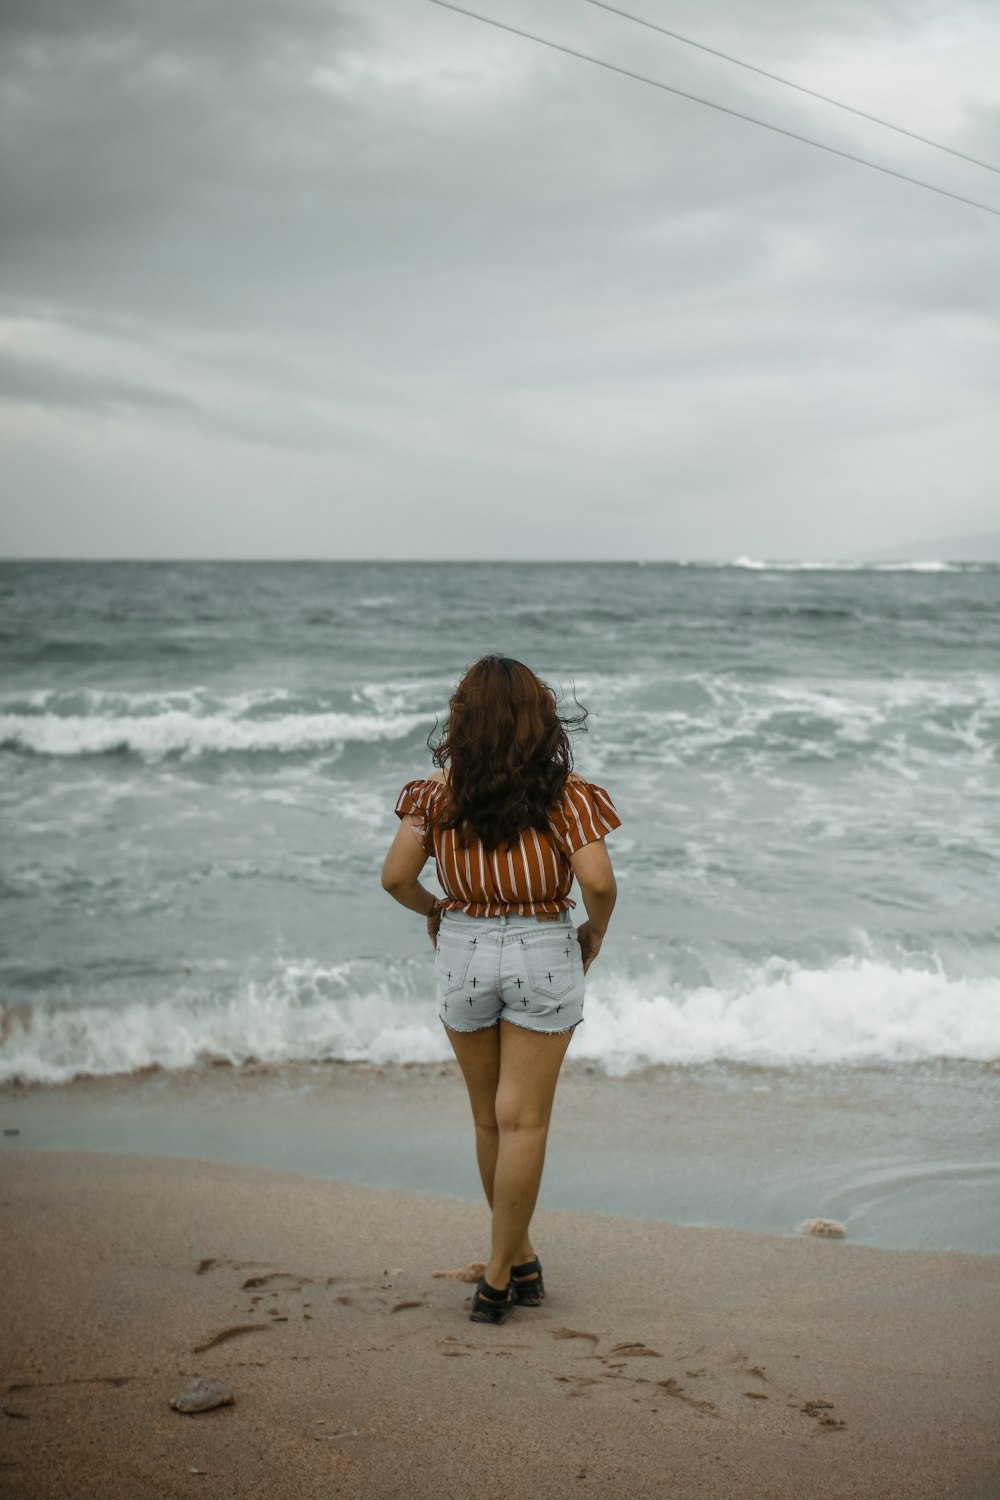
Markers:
185,725
859,1008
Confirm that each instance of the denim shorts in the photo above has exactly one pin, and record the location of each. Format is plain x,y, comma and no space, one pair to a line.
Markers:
513,968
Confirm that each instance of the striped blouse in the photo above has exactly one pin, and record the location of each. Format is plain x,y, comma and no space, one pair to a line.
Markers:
533,875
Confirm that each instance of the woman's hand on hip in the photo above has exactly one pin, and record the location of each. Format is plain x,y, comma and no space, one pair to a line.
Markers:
590,943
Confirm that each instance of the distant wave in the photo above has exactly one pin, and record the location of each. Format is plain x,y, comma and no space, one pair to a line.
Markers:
778,1012
760,565
182,733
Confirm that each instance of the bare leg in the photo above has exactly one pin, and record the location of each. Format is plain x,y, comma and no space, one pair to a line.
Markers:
529,1068
478,1054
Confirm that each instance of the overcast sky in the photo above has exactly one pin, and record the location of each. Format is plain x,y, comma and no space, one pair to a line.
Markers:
300,279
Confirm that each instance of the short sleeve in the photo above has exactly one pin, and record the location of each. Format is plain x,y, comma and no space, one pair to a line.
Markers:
585,815
417,801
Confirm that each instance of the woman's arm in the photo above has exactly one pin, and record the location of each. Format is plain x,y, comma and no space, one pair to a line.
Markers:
592,867
403,864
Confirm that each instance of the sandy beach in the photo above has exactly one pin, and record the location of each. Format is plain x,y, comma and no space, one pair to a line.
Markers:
666,1360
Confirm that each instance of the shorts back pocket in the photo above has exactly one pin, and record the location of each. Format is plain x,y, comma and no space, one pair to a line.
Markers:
451,961
555,966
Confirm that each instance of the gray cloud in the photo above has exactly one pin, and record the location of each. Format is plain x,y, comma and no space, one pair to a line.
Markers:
44,383
445,267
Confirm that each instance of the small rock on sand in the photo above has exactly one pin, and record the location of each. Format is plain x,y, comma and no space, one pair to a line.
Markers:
202,1394
830,1229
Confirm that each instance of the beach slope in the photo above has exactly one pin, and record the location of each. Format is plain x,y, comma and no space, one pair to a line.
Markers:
666,1360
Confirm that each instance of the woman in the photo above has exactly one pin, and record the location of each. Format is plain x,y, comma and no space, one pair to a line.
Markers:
509,826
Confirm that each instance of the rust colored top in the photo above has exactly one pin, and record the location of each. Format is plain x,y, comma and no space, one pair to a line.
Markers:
531,876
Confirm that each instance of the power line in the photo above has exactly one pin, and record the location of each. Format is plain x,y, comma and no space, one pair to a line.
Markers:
688,42
697,99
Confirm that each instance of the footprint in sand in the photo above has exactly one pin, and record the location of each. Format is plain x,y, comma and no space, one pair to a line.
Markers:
578,1382
217,1262
613,1373
822,1411
210,1264
453,1348
574,1333
279,1286
229,1333
759,1372
673,1389
297,1282
49,1385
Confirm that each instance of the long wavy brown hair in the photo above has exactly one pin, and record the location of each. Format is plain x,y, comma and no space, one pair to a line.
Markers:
507,750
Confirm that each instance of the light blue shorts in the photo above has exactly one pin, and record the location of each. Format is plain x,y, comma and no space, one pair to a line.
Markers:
516,969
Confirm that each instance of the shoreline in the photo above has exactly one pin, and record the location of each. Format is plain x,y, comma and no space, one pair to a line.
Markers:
905,1158
704,1362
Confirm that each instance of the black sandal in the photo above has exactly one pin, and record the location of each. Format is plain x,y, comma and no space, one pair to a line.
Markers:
527,1283
489,1305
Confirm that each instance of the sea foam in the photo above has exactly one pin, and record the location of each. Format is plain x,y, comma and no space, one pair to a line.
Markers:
774,1014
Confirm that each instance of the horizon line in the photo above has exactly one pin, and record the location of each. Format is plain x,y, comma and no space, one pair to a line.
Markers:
743,560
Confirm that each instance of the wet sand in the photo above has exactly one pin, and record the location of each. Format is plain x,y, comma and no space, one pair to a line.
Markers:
666,1360
907,1158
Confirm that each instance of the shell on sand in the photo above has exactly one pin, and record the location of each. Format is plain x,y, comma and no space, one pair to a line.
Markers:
831,1229
202,1395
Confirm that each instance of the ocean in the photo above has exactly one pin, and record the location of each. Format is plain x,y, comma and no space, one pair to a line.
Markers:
200,763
